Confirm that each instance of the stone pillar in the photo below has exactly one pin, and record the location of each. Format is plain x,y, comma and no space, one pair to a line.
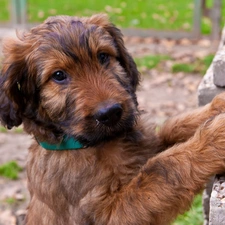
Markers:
212,84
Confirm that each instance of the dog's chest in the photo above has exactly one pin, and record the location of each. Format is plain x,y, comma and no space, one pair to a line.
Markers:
74,184
71,176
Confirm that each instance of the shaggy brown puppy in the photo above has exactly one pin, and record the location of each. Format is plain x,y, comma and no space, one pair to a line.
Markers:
95,160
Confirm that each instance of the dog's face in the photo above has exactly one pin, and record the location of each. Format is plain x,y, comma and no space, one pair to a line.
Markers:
69,76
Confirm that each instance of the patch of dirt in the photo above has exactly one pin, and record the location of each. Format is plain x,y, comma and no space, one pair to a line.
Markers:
161,93
164,96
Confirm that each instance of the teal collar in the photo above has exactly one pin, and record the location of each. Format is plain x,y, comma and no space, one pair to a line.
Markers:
68,143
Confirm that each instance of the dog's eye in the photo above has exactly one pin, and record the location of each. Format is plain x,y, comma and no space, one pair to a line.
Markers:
103,58
59,76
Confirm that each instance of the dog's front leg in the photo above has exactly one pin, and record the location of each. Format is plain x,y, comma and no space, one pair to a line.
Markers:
180,128
167,183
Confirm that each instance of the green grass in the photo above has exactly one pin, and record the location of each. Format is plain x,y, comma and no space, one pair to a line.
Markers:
150,61
183,67
10,201
208,60
154,61
154,14
10,170
194,216
198,66
17,130
4,10
3,129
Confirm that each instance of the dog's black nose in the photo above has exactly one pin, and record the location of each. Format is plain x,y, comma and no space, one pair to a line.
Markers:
109,115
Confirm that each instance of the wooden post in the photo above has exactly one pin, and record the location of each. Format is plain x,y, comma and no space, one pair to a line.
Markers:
19,12
197,18
215,16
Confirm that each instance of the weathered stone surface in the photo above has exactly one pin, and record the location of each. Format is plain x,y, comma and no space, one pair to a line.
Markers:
207,90
219,68
217,202
206,200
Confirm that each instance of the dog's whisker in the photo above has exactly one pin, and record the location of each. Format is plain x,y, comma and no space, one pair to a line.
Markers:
97,122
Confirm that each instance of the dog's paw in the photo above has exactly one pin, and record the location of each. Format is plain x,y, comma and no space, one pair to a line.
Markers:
209,145
218,103
213,132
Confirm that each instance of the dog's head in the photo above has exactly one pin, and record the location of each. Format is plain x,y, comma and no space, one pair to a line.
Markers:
69,76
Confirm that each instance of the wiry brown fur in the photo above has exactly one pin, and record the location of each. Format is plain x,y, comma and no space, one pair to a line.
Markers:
123,176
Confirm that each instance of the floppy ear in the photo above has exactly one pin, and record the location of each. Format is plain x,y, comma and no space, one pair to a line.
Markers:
124,58
13,83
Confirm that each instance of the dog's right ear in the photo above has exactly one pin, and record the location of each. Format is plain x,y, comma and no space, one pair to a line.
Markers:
12,81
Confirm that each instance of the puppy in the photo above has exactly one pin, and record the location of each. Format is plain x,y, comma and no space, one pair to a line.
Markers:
94,159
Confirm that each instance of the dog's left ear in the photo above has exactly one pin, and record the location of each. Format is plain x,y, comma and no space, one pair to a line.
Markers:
125,58
14,87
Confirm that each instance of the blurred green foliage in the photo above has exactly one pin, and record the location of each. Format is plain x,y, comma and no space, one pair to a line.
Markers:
10,170
199,65
154,14
194,216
